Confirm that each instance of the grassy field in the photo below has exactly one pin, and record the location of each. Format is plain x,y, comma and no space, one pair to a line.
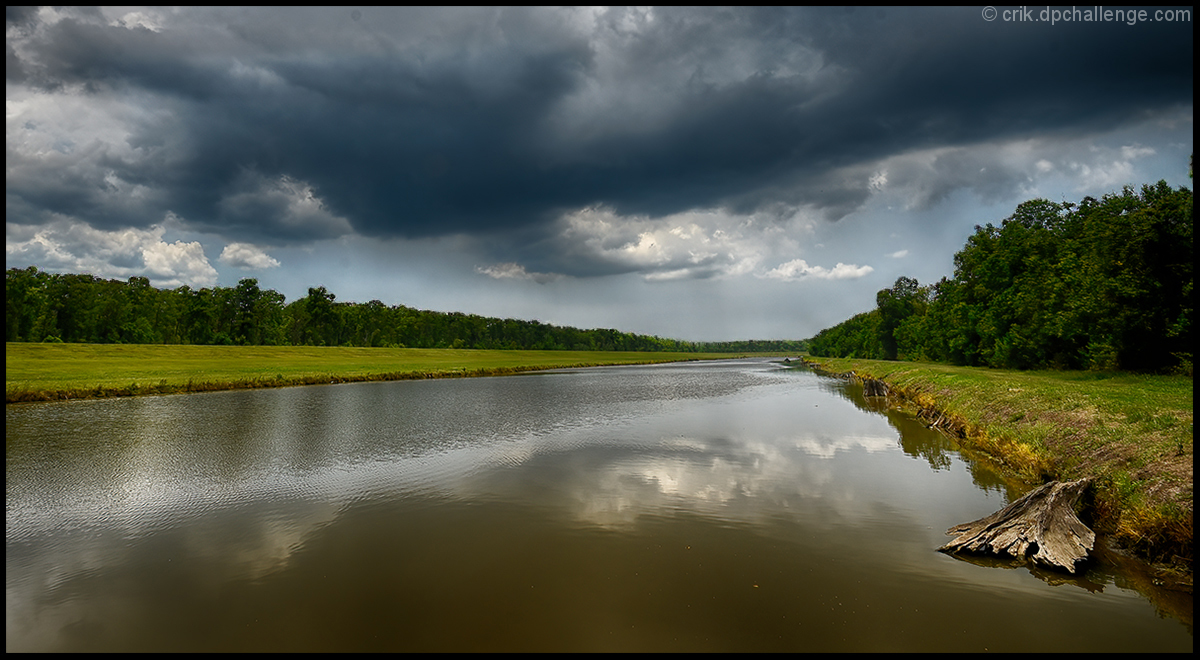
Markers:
43,372
1131,432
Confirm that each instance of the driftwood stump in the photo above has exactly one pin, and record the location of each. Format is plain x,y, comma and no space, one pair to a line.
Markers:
1042,522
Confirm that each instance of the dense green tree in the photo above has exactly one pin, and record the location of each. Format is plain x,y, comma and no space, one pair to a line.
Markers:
324,326
895,305
42,306
857,337
1105,284
24,304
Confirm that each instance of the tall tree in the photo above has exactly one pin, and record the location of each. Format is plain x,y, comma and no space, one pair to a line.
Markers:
895,305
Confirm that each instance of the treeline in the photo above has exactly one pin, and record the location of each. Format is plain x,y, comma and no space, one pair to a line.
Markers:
1105,284
41,306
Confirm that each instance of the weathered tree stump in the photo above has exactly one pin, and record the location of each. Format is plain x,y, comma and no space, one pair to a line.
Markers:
1042,522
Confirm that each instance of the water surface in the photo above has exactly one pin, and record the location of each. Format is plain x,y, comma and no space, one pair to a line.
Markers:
721,506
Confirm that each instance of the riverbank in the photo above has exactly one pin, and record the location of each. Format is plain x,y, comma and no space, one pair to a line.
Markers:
50,372
1132,433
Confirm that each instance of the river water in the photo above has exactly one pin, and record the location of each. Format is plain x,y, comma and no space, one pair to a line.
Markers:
711,506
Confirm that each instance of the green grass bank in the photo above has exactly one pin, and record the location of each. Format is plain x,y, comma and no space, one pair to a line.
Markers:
1131,432
47,372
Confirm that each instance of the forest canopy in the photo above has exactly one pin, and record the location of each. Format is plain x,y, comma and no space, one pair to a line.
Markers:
41,306
1103,284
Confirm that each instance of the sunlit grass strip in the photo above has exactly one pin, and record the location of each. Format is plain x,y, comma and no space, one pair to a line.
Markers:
45,372
1132,432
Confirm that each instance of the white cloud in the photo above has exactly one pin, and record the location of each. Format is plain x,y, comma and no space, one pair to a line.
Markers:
899,254
878,180
699,244
695,244
287,203
798,269
83,151
1133,152
247,257
178,263
78,248
514,271
1109,169
139,19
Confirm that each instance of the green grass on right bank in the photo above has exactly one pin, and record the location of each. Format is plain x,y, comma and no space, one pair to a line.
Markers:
1131,432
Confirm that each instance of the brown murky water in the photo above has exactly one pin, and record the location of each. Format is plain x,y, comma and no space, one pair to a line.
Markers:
727,506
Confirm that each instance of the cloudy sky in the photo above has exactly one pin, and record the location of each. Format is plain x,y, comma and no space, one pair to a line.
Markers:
702,174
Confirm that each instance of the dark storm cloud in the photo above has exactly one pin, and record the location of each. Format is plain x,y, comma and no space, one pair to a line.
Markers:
289,126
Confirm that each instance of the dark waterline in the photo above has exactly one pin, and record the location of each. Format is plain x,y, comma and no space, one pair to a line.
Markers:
728,506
